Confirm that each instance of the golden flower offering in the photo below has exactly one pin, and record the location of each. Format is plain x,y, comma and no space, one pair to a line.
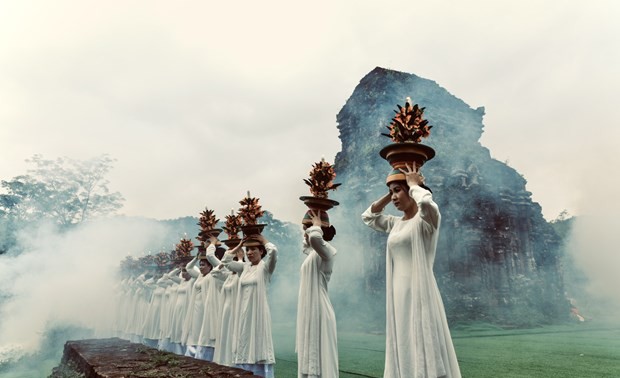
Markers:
162,259
232,227
207,223
147,262
183,251
321,180
408,125
129,264
249,212
407,129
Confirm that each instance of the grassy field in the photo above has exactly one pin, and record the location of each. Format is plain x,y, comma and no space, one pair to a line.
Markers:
484,351
566,351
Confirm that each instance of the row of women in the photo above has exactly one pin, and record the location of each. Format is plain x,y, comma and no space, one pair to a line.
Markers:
214,308
222,314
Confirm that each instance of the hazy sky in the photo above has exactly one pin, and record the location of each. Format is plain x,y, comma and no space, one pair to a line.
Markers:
200,101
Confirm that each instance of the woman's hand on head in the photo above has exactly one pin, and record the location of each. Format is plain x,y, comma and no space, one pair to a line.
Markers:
233,251
260,238
412,174
315,217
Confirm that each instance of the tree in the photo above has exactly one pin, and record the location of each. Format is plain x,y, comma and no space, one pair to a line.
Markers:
64,190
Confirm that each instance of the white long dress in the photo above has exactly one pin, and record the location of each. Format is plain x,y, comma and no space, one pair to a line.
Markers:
131,306
125,307
147,294
181,306
168,303
316,341
210,317
418,342
151,329
140,305
253,344
193,318
226,331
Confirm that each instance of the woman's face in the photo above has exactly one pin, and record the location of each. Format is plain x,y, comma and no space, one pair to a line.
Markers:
254,254
186,275
204,267
400,197
240,254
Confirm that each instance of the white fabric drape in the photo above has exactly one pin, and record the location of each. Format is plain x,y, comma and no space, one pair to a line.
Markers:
253,343
316,336
418,341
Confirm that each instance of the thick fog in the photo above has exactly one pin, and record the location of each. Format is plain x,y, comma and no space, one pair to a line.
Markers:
595,239
67,278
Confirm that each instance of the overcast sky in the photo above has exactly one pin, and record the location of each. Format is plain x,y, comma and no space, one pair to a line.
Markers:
200,101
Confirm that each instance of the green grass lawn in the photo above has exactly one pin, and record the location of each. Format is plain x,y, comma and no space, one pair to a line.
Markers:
566,351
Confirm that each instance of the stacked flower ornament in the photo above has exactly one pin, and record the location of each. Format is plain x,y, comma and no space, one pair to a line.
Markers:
183,251
232,227
207,223
407,129
249,212
162,259
148,262
320,182
129,265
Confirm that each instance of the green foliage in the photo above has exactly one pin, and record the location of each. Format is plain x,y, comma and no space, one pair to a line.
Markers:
64,190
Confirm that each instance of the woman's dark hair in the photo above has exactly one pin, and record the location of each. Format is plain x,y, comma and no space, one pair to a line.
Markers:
207,263
219,253
425,187
403,183
263,251
328,232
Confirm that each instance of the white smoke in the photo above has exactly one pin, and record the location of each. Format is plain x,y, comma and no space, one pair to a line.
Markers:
595,238
67,278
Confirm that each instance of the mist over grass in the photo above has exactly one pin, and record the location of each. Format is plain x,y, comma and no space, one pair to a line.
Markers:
593,242
67,278
486,351
62,286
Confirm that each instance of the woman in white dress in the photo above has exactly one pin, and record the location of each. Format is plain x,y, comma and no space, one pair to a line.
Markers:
418,342
193,318
142,298
253,344
316,341
212,285
184,291
152,322
132,307
226,333
149,287
168,303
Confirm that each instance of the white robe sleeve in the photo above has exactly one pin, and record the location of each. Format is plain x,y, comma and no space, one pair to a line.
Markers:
235,266
315,236
192,269
429,211
378,221
271,258
213,260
